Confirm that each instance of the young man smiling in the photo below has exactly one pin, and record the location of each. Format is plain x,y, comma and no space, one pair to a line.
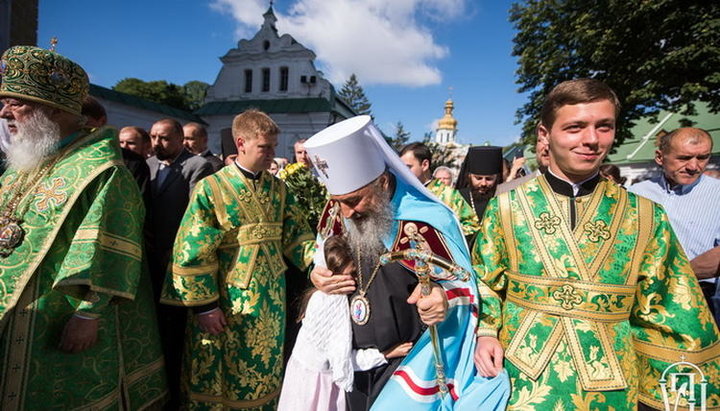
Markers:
591,296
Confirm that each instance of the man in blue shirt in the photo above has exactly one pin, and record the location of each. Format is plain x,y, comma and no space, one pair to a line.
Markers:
692,202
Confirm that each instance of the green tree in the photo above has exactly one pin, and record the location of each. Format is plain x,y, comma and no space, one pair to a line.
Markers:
656,55
400,138
195,92
354,95
159,91
442,155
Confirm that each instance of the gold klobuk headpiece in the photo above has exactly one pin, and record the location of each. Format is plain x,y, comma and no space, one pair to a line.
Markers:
43,76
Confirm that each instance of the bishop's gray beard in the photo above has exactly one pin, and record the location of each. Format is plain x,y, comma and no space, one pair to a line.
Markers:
365,235
35,140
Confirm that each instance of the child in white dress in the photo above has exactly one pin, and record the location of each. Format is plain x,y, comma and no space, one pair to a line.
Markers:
320,369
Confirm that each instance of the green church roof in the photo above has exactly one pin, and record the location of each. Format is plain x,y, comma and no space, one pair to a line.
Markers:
641,147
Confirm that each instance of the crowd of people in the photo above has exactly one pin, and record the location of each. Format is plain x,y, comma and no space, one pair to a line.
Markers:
139,270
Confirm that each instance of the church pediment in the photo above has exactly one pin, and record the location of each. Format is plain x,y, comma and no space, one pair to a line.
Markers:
264,45
269,66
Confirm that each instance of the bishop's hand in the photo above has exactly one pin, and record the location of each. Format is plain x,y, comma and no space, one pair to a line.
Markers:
324,280
432,307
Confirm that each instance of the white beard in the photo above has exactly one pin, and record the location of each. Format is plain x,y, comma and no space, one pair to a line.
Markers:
365,235
34,141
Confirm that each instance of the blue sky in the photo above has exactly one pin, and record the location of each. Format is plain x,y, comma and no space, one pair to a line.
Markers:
406,53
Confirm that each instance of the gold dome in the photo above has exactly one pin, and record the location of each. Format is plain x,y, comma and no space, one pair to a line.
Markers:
448,122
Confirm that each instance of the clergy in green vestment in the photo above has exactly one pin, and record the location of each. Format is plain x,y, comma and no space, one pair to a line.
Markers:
418,158
453,199
590,300
78,328
228,266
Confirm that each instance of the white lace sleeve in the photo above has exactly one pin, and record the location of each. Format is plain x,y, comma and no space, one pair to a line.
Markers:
327,328
367,359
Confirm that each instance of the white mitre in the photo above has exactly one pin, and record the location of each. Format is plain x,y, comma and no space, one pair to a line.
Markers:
352,153
346,156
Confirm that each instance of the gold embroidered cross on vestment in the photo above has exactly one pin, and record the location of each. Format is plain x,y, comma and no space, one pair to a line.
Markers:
567,297
50,194
548,223
597,230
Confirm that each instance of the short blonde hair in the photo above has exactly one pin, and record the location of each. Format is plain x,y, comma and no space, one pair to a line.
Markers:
253,123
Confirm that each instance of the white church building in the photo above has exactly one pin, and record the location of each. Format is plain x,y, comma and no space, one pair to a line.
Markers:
269,72
275,74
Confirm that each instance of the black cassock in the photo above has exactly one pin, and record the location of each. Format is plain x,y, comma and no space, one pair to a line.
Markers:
392,321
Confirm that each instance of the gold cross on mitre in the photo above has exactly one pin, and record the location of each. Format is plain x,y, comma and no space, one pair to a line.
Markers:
321,165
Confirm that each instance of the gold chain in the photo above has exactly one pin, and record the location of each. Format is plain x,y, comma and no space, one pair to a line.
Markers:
24,190
15,198
360,277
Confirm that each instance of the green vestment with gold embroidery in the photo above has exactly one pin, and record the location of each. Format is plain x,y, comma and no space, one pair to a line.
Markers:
590,318
82,253
229,251
453,199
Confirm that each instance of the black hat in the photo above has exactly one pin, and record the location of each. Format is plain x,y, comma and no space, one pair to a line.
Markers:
482,160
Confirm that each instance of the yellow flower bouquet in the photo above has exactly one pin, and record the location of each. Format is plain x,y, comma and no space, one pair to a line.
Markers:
309,192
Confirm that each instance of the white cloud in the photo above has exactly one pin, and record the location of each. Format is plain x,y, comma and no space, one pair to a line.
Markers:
383,42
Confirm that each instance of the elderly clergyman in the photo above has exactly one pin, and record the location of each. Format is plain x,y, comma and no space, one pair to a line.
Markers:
78,330
379,206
